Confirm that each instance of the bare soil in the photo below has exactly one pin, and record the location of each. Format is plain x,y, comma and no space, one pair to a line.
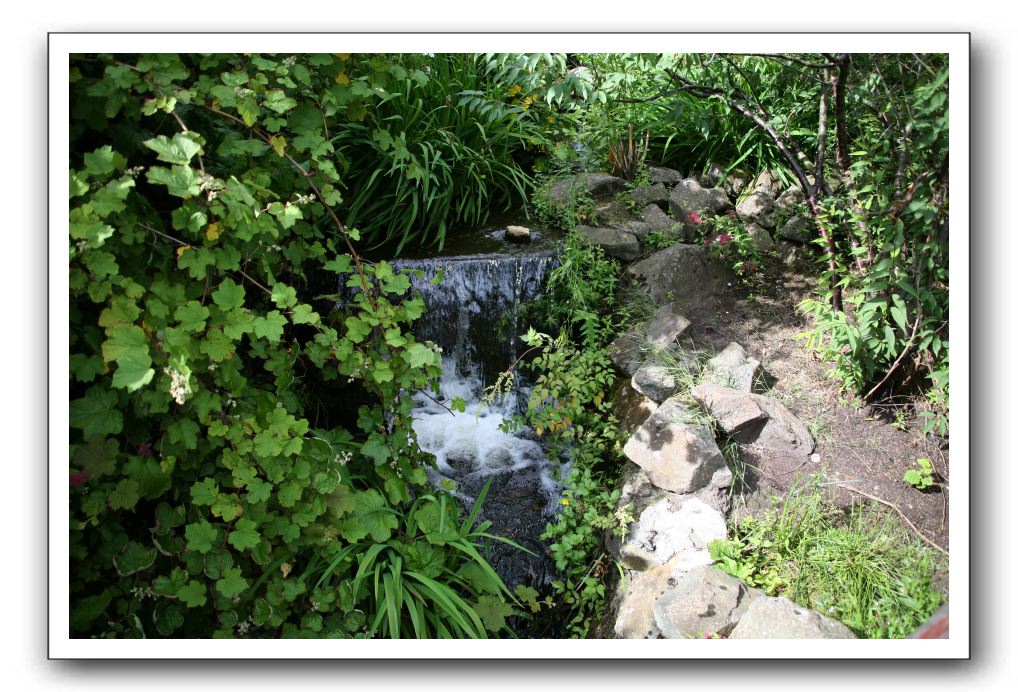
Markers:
862,451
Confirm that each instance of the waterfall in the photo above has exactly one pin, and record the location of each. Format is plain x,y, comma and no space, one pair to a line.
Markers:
473,314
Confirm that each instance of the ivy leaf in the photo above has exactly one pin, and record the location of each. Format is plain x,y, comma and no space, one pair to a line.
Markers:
493,611
201,537
276,100
229,295
372,516
98,456
245,535
303,314
278,144
227,507
419,356
436,524
102,161
192,316
217,346
232,583
284,296
258,491
204,492
134,371
193,594
96,413
125,495
289,494
170,586
376,448
270,327
181,149
134,558
458,404
180,181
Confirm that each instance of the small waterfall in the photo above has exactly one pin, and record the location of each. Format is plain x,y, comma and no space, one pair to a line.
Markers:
473,314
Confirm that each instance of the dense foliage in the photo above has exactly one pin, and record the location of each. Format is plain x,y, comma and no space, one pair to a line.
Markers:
203,502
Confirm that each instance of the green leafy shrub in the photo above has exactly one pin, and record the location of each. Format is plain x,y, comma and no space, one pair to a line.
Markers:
203,502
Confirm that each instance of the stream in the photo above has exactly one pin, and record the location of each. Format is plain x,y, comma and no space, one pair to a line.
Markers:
473,316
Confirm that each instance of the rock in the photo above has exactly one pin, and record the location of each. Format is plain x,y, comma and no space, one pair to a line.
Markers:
678,526
637,228
789,200
735,182
768,182
667,176
655,194
713,176
635,614
626,352
676,455
636,489
688,197
788,252
754,419
798,229
704,600
759,237
759,208
517,234
680,272
632,408
779,618
616,243
731,368
565,191
655,382
657,220
665,326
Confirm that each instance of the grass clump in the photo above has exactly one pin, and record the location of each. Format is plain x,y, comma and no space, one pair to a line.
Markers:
861,568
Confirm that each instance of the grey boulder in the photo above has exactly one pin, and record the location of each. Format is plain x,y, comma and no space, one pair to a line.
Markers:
688,197
667,176
732,368
615,243
677,528
798,229
704,600
665,326
656,220
680,272
596,185
677,453
759,237
655,194
755,420
655,382
759,208
780,618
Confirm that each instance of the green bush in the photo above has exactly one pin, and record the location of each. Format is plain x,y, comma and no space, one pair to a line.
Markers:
203,502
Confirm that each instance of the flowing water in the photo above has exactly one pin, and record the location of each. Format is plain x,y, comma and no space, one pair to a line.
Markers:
474,316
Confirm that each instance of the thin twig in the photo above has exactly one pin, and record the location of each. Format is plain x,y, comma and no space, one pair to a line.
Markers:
900,513
897,362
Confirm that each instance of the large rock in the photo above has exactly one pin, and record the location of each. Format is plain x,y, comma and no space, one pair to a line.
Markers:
755,420
517,234
616,243
637,492
798,229
637,228
676,528
655,382
759,208
665,326
634,617
688,197
655,194
656,220
565,191
731,368
713,176
667,176
735,182
626,352
789,200
680,272
677,454
704,600
759,238
780,618
768,182
632,408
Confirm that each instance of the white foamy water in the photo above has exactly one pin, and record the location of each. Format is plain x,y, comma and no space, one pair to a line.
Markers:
471,447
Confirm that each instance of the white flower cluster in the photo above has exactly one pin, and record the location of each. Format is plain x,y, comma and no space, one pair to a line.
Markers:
180,385
290,62
344,458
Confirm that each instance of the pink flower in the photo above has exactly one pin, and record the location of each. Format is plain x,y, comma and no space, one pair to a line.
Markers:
145,449
724,238
78,479
694,218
